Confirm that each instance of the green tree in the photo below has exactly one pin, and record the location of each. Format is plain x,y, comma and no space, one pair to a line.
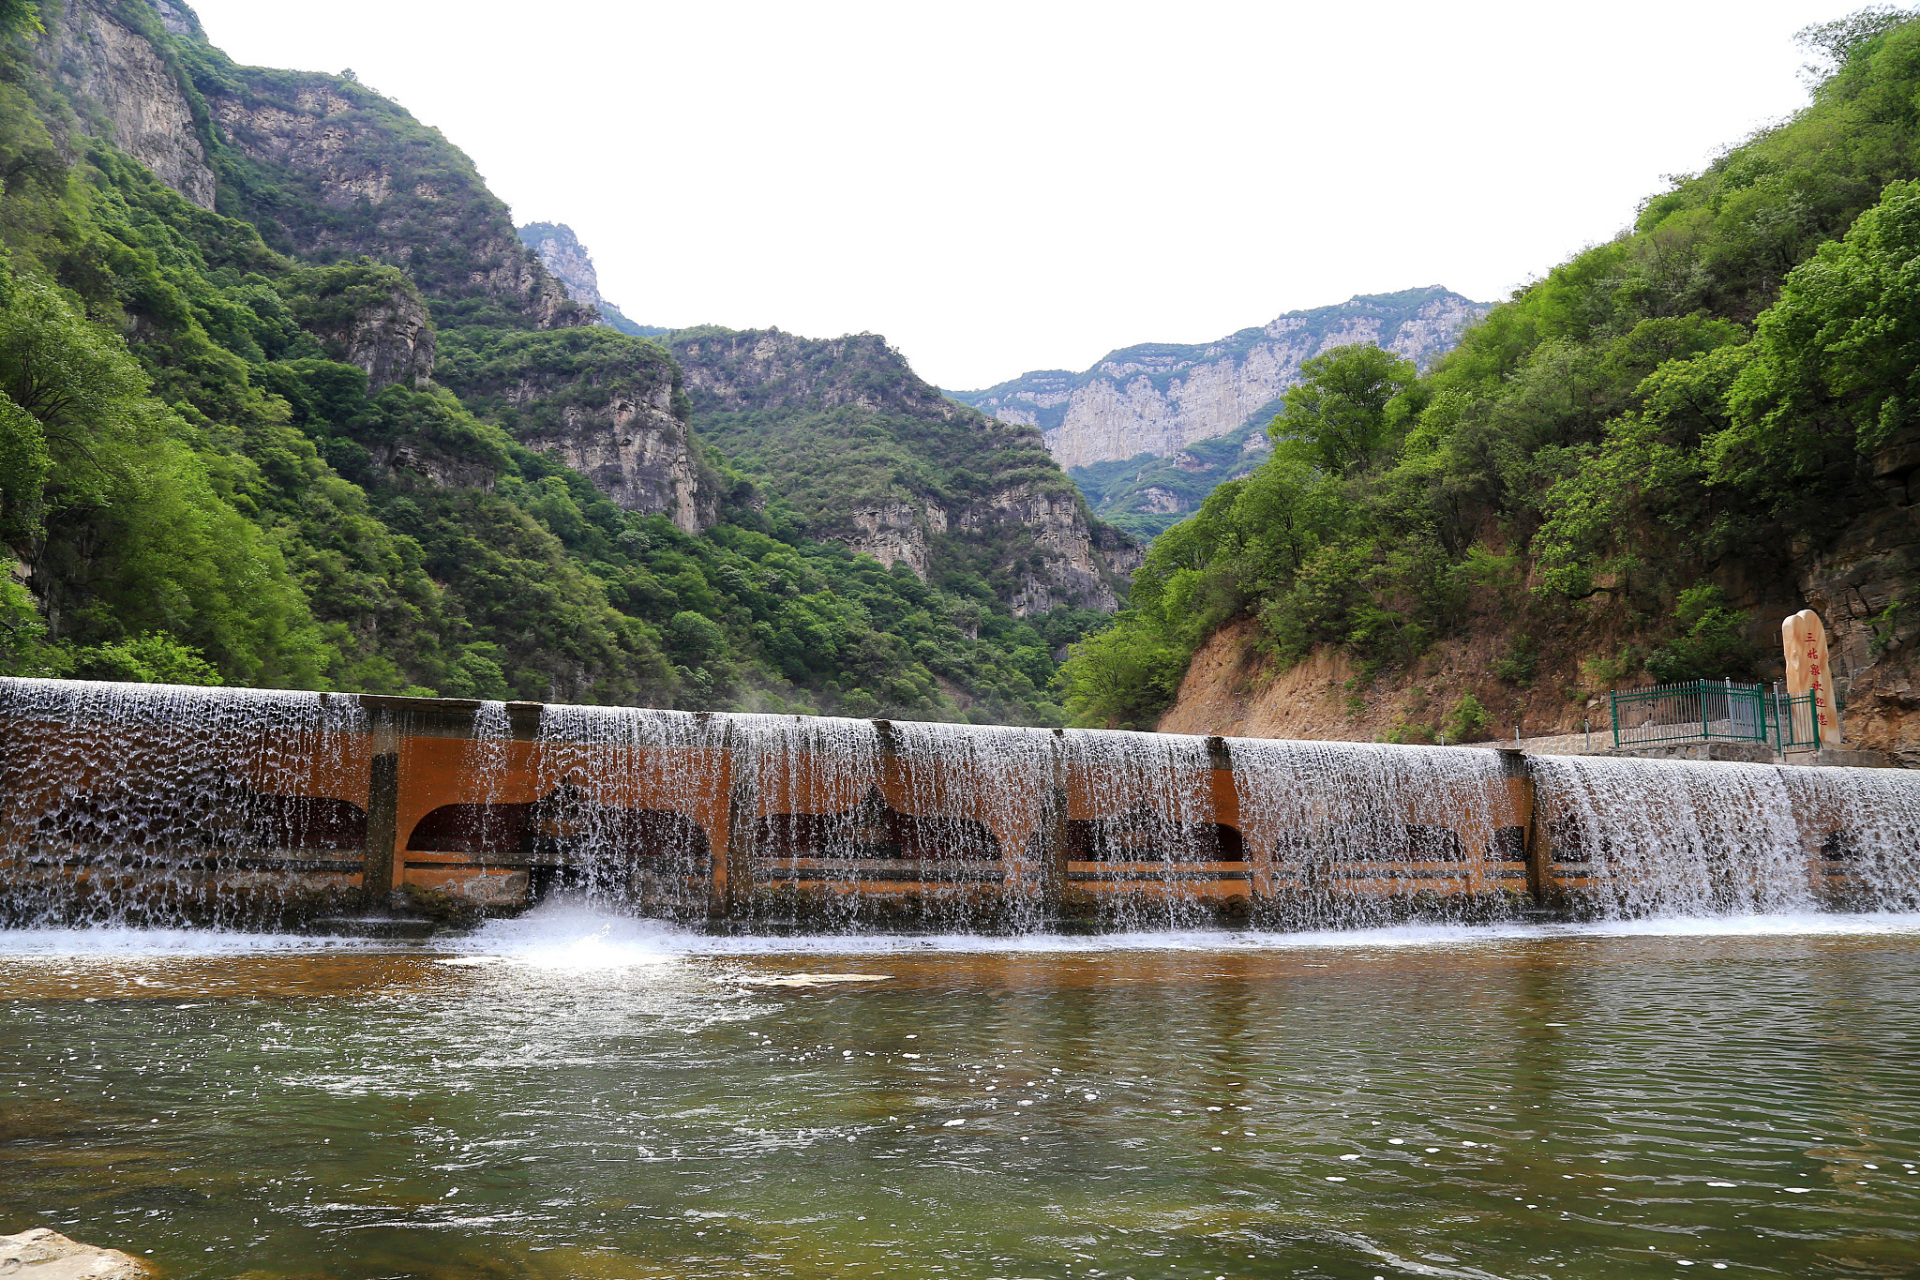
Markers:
136,534
1338,411
1468,720
1124,676
1836,365
19,17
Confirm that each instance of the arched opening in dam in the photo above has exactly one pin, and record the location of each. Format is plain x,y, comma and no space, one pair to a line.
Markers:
155,804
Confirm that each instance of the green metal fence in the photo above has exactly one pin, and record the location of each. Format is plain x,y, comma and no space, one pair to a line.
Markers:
1714,711
1796,723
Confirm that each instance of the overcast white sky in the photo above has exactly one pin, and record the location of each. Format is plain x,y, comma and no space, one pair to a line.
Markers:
999,187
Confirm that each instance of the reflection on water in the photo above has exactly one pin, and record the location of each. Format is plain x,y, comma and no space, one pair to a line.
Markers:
578,1096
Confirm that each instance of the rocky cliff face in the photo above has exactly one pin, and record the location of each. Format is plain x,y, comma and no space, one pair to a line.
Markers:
1066,569
608,405
879,460
333,173
637,453
895,532
372,318
393,342
1159,398
730,371
328,170
566,260
1145,495
123,88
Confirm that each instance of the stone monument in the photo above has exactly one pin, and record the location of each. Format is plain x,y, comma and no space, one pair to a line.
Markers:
1808,670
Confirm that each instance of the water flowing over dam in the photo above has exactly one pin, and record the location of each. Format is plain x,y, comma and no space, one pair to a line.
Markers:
157,804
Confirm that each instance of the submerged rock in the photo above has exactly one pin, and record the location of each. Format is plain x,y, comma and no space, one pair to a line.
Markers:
44,1254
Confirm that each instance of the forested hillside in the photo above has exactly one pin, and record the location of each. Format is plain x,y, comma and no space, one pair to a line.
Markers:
864,452
1630,471
284,400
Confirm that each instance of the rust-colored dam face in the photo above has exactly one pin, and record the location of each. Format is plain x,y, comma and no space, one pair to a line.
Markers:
170,804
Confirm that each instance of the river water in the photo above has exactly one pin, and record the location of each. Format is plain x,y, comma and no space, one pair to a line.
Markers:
577,1095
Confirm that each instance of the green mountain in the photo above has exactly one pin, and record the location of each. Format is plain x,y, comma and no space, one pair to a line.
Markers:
1143,431
1159,397
861,451
286,400
865,453
1148,494
1630,471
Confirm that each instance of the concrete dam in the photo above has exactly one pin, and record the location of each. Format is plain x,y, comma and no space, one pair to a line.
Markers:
157,804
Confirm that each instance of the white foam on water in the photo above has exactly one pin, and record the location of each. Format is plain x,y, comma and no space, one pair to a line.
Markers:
111,942
568,935
552,933
1795,924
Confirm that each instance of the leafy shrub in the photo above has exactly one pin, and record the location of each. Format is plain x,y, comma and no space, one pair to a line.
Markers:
1521,660
1467,721
153,658
1714,642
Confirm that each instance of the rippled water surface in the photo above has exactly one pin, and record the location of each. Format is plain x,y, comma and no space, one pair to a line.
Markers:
573,1096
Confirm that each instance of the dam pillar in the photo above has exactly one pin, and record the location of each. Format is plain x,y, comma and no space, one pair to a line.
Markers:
383,826
1056,883
733,862
1523,796
1055,843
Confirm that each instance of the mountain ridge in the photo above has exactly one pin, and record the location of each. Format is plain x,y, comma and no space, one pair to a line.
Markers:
1157,398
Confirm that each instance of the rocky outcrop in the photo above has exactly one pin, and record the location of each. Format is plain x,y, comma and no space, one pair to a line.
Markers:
733,371
1862,584
371,317
566,260
636,453
177,19
124,89
918,474
1158,398
1071,571
896,532
45,1254
1123,553
420,461
606,404
393,342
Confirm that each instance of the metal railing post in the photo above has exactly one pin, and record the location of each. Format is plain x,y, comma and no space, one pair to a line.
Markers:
1613,707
